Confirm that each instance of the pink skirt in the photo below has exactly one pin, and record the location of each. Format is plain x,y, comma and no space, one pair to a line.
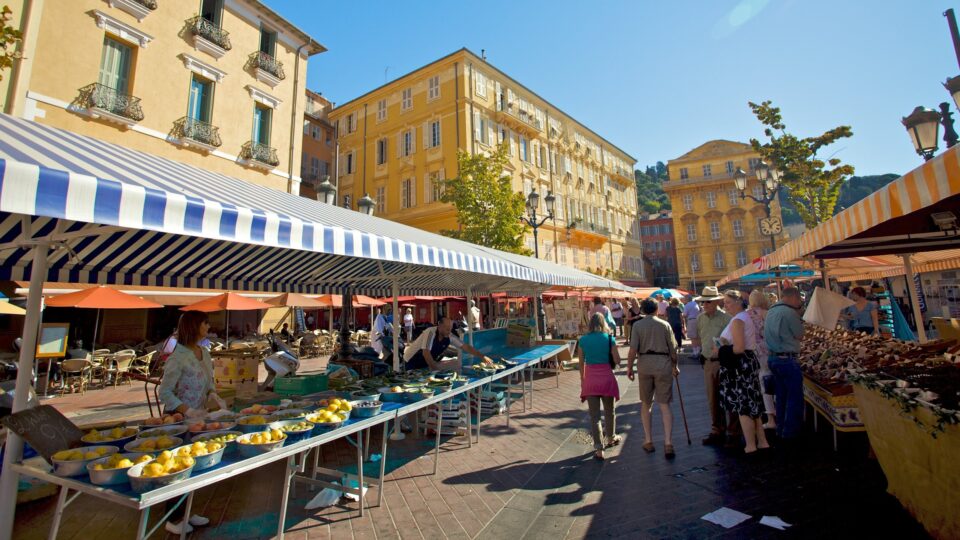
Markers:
599,380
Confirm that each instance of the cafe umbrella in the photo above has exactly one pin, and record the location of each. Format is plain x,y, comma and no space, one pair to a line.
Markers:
227,302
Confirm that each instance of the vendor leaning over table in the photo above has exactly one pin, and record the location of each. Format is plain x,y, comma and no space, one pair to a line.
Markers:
186,387
426,350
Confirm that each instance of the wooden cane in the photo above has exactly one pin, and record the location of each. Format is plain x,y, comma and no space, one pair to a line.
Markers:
683,412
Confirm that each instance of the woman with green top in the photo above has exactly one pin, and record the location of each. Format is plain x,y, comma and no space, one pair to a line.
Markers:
598,358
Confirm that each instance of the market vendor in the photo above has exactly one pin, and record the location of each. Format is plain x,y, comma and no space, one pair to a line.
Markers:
186,387
862,315
426,350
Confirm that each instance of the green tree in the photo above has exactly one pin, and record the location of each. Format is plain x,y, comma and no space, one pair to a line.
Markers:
488,210
9,38
812,183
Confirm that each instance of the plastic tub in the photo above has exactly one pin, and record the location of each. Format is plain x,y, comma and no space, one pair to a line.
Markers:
78,467
323,427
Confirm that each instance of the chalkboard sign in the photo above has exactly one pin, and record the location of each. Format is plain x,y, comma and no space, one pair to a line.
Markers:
45,429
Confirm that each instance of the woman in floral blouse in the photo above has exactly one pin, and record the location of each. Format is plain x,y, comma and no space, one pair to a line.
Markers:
186,387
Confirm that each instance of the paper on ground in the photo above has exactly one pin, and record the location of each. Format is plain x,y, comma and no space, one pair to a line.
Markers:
775,522
326,497
726,517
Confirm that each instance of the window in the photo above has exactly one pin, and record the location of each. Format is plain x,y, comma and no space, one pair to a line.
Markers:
718,259
691,232
766,250
753,163
576,256
737,229
381,110
656,245
563,254
381,199
115,66
599,263
316,133
212,10
262,119
714,230
688,202
350,122
729,167
524,149
543,157
433,87
408,144
324,168
684,173
315,167
408,193
757,192
406,101
741,257
201,99
733,197
707,171
349,163
268,42
381,151
481,128
433,187
695,262
480,84
433,134
666,245
711,199
348,201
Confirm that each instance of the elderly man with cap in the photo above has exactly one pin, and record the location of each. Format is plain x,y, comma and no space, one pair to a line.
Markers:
710,324
654,347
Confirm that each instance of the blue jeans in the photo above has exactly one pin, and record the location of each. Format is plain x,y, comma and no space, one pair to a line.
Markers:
788,381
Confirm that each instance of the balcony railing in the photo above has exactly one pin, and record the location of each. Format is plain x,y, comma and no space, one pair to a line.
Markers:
106,99
262,60
202,27
254,151
149,4
198,131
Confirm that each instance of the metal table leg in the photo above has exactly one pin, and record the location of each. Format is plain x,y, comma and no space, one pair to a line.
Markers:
436,449
142,526
509,396
383,464
360,470
469,421
288,473
186,516
58,514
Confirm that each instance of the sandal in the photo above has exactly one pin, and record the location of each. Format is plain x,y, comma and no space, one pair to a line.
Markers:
649,447
668,451
614,441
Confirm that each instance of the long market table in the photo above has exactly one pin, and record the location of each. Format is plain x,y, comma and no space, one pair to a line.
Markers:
295,454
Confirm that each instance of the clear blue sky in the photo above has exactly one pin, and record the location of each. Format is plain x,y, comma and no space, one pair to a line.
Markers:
658,78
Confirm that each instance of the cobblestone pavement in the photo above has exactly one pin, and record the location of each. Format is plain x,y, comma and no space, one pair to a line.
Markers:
536,478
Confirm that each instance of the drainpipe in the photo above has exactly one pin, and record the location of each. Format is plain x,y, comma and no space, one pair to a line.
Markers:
456,111
293,116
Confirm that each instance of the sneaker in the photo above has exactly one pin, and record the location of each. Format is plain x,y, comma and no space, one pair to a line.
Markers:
178,528
199,521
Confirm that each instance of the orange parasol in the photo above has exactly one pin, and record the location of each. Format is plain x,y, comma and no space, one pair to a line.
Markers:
228,301
359,300
100,298
295,300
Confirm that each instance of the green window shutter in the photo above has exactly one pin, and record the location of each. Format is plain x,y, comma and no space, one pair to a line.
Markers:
115,65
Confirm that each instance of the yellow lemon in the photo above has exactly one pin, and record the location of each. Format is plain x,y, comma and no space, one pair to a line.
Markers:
187,462
144,458
124,464
153,469
102,450
63,455
98,467
345,406
91,455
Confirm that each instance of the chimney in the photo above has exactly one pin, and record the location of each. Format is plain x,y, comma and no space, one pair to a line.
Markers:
483,54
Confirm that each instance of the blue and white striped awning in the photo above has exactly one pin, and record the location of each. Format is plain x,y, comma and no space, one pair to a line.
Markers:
126,217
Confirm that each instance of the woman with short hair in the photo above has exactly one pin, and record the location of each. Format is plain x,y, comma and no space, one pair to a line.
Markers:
598,358
739,372
862,315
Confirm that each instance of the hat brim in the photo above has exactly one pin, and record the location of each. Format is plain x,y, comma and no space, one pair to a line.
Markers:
708,298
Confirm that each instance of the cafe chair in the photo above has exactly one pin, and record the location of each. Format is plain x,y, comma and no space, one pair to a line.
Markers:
76,374
119,365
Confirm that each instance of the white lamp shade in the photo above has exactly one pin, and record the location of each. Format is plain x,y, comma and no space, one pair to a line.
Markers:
923,126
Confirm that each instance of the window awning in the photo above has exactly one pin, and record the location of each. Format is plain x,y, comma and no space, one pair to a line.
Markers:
896,219
126,217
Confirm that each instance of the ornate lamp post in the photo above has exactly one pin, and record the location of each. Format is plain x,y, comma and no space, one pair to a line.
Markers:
366,204
326,192
769,179
923,126
531,219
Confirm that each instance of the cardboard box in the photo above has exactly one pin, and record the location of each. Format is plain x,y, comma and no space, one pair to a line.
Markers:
236,372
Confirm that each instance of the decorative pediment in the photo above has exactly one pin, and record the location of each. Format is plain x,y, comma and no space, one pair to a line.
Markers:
719,147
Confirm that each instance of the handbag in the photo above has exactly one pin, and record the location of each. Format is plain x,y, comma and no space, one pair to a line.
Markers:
613,364
728,359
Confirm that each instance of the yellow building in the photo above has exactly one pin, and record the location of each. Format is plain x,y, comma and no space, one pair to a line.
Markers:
715,229
397,141
218,84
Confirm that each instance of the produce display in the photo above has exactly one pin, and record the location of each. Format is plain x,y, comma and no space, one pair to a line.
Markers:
152,444
169,431
120,461
218,438
298,427
289,414
259,409
164,420
200,427
81,454
198,448
255,420
167,463
115,434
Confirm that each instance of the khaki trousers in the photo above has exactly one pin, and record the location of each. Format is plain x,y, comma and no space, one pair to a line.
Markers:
719,419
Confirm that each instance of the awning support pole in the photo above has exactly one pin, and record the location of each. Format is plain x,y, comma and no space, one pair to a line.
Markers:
395,289
914,299
13,453
469,323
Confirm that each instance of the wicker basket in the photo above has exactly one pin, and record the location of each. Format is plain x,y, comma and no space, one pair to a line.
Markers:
363,368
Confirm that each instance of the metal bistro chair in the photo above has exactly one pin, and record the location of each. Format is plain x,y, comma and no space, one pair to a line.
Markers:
141,364
76,374
120,365
99,362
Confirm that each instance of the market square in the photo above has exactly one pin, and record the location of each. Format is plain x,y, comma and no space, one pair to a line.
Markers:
268,274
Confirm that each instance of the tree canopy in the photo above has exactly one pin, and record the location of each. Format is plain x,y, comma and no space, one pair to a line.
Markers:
9,38
488,210
811,182
854,189
650,195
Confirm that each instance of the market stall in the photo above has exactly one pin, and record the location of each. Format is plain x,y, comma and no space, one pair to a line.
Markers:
78,210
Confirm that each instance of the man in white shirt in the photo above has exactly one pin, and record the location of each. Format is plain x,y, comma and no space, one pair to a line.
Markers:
408,324
691,310
378,329
425,352
473,316
661,306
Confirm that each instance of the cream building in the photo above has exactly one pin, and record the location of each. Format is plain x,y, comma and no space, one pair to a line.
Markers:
218,84
399,140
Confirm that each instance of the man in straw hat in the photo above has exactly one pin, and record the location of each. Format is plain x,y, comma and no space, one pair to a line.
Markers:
710,323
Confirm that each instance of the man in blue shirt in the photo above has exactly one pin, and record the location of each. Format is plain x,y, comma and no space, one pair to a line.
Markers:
783,330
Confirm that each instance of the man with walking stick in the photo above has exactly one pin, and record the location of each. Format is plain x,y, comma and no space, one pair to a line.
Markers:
654,348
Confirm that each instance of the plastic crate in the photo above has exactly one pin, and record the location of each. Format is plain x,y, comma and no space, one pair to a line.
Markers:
300,385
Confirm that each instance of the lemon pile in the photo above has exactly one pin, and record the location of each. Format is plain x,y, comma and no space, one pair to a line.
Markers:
95,436
332,410
158,443
117,461
298,427
79,454
256,420
166,463
220,439
264,437
198,448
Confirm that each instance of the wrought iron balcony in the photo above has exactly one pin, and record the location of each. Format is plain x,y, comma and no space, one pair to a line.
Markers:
113,105
201,27
262,60
190,130
259,152
149,4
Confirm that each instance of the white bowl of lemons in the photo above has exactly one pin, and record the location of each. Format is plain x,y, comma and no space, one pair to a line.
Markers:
74,462
255,444
112,470
166,469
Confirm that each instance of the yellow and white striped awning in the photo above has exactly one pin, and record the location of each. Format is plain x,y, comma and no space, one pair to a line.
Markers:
929,185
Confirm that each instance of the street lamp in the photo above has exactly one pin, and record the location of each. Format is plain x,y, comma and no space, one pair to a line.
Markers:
366,204
923,126
326,192
769,179
533,204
